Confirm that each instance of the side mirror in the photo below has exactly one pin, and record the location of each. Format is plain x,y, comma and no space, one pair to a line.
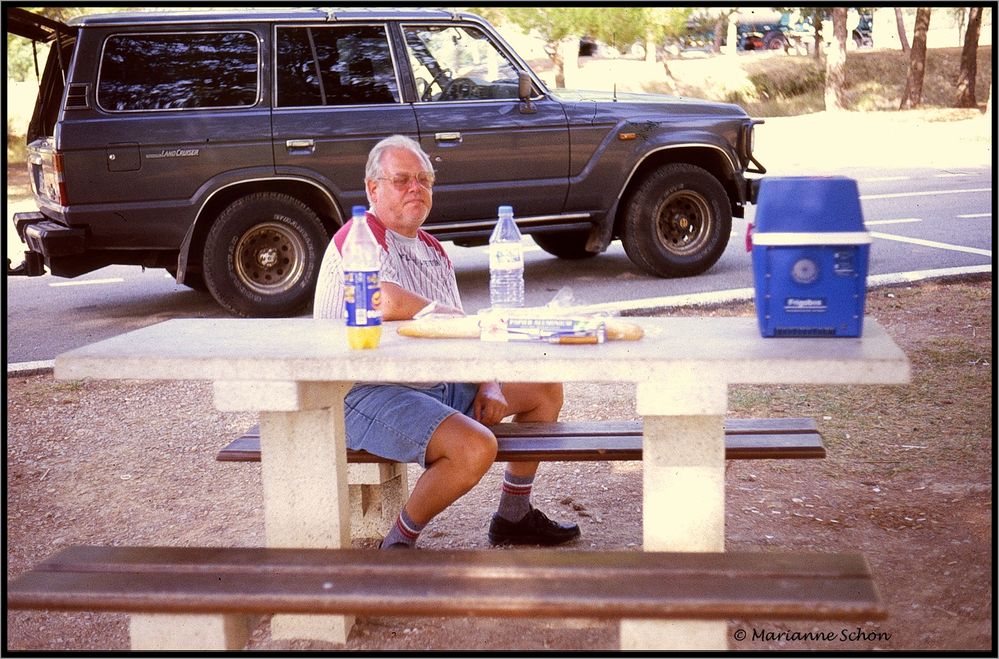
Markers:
525,89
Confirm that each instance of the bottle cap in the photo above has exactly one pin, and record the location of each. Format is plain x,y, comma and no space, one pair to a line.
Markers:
357,210
506,210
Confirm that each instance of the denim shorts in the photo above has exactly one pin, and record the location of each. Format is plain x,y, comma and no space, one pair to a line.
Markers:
396,421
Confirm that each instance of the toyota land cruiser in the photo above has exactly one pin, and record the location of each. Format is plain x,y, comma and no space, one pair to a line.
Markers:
227,146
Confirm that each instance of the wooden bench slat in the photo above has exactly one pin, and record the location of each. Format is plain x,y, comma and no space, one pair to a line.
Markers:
485,583
745,439
777,426
275,559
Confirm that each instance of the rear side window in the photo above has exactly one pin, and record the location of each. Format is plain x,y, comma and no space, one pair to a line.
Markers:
347,65
179,71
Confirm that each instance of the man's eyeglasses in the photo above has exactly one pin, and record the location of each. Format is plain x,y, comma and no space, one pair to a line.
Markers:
403,181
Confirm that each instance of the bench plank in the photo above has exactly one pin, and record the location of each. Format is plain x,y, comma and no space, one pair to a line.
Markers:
613,584
745,439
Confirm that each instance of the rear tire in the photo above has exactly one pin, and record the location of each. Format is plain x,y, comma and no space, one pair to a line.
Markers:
678,222
569,245
262,255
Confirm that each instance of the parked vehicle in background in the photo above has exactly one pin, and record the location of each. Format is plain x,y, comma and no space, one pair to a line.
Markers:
860,24
763,35
863,34
227,146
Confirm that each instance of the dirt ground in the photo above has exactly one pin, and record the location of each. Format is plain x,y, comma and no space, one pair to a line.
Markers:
907,481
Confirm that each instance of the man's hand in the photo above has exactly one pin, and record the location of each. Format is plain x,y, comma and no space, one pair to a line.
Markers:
490,405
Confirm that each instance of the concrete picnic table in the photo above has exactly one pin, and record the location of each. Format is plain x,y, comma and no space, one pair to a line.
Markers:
295,373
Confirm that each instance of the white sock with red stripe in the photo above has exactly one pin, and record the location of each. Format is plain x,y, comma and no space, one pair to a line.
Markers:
404,531
515,498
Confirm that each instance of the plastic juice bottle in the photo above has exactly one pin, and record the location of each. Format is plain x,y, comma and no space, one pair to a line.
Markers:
362,288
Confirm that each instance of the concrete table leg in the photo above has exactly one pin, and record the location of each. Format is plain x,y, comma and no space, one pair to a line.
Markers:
684,495
169,631
304,467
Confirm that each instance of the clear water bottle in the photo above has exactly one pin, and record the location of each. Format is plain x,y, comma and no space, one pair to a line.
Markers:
506,263
362,286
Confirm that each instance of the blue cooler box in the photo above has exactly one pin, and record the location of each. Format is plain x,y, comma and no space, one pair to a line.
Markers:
810,253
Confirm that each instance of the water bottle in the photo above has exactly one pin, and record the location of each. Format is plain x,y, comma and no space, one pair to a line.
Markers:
506,263
361,285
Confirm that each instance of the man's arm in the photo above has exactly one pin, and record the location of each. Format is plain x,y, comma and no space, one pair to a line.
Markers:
401,304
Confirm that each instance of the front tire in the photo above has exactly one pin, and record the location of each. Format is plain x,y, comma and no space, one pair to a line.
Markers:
262,255
678,222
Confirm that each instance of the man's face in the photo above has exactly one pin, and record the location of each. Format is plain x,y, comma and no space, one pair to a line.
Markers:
402,207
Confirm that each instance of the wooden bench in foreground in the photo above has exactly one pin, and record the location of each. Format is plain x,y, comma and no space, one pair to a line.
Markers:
225,582
791,438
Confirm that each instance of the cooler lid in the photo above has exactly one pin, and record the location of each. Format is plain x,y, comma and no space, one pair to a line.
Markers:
808,204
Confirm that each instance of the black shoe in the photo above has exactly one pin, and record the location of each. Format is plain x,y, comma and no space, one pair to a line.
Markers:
534,529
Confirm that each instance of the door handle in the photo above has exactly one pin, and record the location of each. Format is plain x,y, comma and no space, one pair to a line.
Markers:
448,137
300,144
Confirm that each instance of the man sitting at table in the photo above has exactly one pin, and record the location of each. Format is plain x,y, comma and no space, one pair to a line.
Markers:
442,426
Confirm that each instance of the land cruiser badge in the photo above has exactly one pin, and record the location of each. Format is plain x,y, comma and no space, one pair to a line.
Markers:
174,153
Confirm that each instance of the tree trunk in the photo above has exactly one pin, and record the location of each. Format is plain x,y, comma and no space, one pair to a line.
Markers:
671,83
969,61
913,95
820,49
836,63
555,55
720,25
901,30
650,49
569,48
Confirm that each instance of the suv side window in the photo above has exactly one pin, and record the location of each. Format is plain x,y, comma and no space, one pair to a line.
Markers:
179,71
455,63
334,66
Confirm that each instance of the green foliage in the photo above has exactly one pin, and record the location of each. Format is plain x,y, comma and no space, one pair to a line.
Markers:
553,24
627,25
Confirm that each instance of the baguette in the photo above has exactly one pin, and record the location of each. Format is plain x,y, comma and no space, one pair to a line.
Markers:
456,327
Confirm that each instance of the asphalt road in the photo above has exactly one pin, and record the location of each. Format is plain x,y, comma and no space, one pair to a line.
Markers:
922,219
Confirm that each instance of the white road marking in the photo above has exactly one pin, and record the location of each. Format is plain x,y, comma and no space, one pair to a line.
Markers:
931,243
748,294
925,193
969,216
904,220
88,282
